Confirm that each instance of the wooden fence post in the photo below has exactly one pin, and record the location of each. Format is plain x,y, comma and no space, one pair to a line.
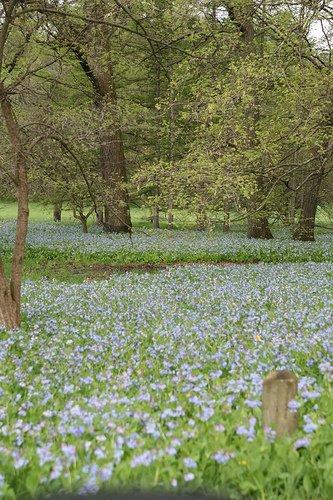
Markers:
280,387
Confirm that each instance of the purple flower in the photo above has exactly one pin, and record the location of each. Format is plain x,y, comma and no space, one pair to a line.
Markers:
222,456
248,432
302,443
170,450
189,476
293,405
147,458
190,463
106,473
270,434
310,427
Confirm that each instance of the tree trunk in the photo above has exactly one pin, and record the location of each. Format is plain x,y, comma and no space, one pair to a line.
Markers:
156,218
293,200
304,230
226,223
99,216
9,309
117,212
84,225
158,147
257,220
258,228
95,60
202,219
172,146
10,292
170,214
57,207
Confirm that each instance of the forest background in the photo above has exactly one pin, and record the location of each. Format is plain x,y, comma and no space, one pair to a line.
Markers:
209,107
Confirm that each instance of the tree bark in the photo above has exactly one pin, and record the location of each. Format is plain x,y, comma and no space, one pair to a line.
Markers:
57,207
10,292
304,230
257,220
93,54
99,216
156,217
172,146
226,222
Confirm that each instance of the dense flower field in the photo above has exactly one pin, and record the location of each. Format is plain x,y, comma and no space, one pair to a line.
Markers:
52,240
155,380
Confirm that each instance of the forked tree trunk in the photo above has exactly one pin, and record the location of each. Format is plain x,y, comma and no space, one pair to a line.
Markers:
10,291
304,230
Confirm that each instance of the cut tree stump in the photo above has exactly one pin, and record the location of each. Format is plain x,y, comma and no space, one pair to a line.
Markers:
280,387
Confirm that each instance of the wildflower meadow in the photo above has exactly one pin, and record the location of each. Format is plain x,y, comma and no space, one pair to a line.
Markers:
153,381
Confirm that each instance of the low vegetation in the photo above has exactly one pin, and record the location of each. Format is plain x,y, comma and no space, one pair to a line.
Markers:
155,380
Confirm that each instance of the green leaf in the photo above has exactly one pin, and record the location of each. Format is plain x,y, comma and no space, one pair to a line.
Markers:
307,483
31,483
247,487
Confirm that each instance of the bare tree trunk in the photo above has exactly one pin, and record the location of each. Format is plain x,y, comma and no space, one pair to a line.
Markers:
304,231
10,292
117,213
57,207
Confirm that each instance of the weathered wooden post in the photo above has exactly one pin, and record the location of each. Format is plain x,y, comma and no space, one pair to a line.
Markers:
280,387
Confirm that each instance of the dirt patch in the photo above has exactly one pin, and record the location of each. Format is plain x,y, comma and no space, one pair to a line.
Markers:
145,267
103,271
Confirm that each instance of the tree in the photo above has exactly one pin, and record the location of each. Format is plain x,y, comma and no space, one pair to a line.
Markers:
10,290
91,44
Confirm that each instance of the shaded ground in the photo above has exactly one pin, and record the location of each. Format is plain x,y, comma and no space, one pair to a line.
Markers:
102,271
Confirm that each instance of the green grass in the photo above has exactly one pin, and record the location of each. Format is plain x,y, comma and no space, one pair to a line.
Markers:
141,217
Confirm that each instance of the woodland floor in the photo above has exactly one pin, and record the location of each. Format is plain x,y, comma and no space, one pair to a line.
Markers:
102,271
